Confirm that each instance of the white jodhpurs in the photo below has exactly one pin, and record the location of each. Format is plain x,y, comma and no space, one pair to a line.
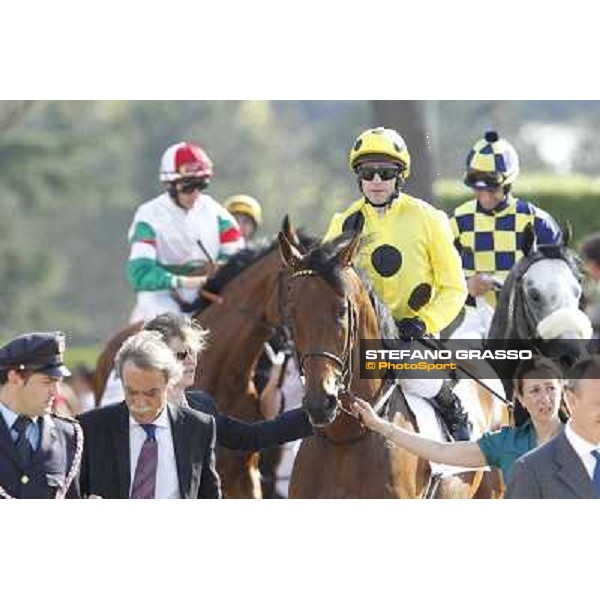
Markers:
476,323
151,304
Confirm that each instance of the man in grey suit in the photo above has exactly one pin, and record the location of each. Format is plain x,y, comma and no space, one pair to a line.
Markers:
569,465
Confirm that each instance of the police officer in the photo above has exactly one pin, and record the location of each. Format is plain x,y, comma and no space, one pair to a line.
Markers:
40,453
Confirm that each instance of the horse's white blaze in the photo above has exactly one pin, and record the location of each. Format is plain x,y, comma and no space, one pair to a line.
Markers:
558,312
556,285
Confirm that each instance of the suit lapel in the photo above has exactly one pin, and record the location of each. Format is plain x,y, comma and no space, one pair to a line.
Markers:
181,445
7,445
571,470
120,435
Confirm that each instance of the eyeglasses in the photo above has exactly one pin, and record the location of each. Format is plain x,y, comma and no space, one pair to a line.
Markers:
484,181
181,356
385,173
188,186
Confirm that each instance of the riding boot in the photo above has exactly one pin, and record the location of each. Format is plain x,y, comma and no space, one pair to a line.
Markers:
453,414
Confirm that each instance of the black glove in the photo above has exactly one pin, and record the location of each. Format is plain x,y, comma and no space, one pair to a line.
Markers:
411,329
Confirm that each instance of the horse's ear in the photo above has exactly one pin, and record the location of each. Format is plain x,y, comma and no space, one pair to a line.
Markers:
529,241
289,253
290,232
567,233
348,251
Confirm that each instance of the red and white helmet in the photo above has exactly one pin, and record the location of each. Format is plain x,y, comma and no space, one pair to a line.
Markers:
185,160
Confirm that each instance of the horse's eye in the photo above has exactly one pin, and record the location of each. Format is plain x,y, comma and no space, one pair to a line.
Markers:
535,295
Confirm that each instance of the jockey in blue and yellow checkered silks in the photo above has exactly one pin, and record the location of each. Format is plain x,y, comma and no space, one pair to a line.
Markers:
489,233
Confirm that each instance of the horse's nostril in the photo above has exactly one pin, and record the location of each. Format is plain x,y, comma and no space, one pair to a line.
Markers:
330,401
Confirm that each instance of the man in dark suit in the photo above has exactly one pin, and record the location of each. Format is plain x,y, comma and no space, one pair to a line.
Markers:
40,453
569,465
146,447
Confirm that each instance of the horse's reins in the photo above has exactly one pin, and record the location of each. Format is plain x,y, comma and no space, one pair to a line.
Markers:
344,362
435,344
218,299
273,329
221,300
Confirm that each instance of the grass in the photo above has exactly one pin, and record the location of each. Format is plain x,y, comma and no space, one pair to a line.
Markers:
75,355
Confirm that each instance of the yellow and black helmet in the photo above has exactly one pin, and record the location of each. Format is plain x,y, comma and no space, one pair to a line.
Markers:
492,162
381,143
245,205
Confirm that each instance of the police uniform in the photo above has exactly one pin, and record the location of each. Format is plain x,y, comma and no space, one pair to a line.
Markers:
50,467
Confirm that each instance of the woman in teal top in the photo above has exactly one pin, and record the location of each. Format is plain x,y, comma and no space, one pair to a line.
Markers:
538,418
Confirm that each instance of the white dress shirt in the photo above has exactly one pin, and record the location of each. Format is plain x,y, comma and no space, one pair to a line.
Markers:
583,449
167,481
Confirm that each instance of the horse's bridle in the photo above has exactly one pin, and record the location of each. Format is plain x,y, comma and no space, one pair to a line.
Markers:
545,252
342,361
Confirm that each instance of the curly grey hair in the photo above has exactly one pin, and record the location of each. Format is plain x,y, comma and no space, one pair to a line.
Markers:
172,325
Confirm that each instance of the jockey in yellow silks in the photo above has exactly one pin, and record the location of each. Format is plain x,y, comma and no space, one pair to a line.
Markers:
409,256
407,250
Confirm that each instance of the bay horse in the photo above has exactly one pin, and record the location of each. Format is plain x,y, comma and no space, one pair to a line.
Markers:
242,310
331,306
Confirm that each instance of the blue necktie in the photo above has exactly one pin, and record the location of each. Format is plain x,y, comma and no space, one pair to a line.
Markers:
22,445
596,477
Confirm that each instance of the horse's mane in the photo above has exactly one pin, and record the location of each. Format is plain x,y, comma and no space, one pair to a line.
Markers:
503,315
239,262
322,260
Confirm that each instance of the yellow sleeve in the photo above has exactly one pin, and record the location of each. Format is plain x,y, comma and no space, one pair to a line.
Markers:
448,277
335,227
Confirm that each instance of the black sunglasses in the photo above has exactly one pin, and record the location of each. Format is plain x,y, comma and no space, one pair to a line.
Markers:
385,173
483,180
181,356
187,187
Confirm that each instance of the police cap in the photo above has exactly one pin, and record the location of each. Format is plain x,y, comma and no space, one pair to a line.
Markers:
41,352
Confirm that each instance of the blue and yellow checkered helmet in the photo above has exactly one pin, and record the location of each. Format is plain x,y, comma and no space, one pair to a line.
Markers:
381,143
492,162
